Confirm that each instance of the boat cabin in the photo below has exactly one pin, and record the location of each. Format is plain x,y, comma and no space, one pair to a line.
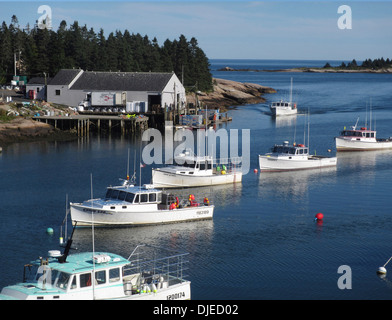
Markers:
148,272
135,195
283,104
189,160
286,149
361,133
50,279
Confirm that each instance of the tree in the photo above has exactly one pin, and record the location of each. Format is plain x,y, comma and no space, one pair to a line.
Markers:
48,51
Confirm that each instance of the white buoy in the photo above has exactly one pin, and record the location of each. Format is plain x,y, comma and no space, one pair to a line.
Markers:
381,270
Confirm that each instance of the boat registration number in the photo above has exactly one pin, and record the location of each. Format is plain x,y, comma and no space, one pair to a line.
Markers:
96,211
203,212
175,296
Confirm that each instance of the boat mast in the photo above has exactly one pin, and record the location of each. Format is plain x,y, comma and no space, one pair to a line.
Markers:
92,231
291,91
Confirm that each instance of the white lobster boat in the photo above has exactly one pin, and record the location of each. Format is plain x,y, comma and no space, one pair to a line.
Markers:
103,276
287,157
138,205
281,108
362,139
196,171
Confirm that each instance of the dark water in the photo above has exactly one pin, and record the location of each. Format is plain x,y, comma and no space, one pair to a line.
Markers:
263,242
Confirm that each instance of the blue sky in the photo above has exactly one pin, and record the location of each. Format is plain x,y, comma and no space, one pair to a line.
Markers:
234,29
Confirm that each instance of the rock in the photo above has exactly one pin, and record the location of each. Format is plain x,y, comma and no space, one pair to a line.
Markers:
228,93
20,129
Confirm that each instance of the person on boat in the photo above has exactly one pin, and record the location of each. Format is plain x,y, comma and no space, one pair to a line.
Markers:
192,201
172,206
206,201
177,202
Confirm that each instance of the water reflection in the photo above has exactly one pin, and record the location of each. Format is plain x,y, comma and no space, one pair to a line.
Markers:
285,121
292,184
178,236
220,195
363,160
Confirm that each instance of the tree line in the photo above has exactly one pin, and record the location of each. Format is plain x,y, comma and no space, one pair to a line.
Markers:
40,52
375,64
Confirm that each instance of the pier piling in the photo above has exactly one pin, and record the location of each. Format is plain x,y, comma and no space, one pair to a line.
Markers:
84,124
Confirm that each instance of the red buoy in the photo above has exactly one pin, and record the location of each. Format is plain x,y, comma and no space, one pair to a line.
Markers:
255,170
319,216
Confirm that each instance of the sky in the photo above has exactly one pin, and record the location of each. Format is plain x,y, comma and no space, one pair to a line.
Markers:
303,30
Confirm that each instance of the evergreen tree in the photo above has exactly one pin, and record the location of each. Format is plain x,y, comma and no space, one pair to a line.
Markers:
47,51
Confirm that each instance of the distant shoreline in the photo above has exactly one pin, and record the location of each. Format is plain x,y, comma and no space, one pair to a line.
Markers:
314,70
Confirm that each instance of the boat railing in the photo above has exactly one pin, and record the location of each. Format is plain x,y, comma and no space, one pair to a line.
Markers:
157,266
233,164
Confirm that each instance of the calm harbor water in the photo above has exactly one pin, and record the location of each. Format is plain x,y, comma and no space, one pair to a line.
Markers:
263,242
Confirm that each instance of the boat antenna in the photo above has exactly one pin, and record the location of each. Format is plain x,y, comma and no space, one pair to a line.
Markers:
65,222
370,113
308,130
366,115
128,167
305,129
92,231
295,131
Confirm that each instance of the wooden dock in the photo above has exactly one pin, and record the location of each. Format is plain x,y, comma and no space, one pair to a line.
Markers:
84,124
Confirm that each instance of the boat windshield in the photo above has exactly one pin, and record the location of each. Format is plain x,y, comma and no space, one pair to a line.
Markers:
204,165
187,164
46,276
283,150
112,194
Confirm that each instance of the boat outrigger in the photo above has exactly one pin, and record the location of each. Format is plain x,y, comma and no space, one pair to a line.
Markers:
149,273
139,205
196,171
287,157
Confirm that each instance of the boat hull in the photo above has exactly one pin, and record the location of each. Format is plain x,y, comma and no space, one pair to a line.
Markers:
281,111
162,179
359,145
86,216
271,163
179,291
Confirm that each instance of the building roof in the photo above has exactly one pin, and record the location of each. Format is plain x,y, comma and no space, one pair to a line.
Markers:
122,81
65,76
38,80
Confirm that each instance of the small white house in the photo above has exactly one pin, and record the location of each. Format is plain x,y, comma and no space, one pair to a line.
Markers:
71,86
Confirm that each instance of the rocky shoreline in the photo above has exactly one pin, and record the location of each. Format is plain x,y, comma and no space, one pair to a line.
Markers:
21,129
229,93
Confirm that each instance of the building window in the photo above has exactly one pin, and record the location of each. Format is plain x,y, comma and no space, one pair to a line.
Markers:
57,92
